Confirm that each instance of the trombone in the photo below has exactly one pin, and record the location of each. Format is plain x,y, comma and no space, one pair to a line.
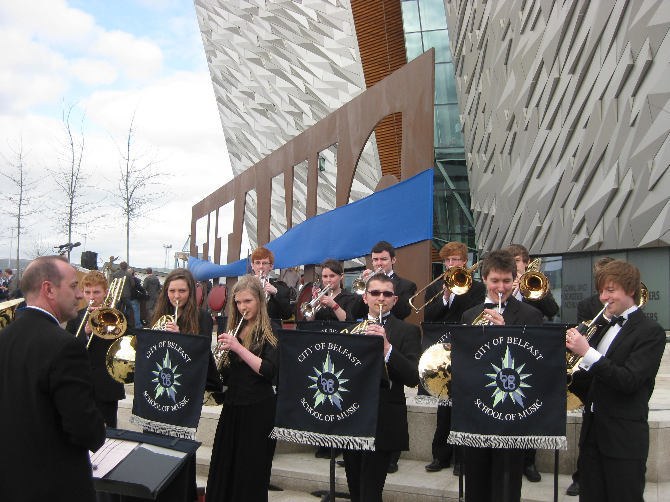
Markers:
533,284
106,321
457,279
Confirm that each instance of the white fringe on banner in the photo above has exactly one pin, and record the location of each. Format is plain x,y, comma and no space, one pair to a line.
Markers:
164,429
329,440
522,442
431,401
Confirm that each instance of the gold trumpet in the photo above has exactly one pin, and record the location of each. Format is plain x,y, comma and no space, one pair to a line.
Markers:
106,321
362,327
480,320
359,284
533,284
457,279
220,352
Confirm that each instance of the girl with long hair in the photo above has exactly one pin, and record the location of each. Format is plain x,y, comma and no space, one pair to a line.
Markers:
179,289
242,453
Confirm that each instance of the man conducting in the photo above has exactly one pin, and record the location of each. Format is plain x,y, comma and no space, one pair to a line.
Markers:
615,381
48,416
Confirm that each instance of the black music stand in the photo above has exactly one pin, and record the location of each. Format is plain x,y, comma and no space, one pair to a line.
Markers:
144,473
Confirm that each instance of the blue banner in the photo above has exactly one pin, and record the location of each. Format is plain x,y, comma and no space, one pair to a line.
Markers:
401,214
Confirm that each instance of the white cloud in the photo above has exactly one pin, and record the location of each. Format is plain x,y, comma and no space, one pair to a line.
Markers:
139,59
91,71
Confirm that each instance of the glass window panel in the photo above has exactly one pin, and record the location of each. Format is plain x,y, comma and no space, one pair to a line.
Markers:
278,212
327,169
413,45
433,16
445,84
447,126
299,193
410,16
251,218
440,40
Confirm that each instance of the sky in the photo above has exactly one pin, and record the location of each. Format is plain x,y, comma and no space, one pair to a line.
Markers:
108,61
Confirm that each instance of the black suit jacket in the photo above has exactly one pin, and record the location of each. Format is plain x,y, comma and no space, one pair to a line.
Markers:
516,313
402,369
279,305
546,305
48,417
588,308
106,388
436,311
404,290
621,384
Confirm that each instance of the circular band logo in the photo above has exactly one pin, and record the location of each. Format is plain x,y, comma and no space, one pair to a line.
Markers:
328,384
508,381
166,378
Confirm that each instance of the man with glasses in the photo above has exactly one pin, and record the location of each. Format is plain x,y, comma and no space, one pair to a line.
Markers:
383,257
449,308
366,470
279,297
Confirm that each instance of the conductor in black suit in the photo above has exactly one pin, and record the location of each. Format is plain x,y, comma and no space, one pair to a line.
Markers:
108,391
366,470
48,416
383,257
618,371
484,466
279,297
449,307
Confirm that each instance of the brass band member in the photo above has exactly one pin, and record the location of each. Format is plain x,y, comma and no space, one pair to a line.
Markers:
484,466
108,391
180,287
615,381
242,453
546,305
336,305
279,297
366,470
383,256
449,308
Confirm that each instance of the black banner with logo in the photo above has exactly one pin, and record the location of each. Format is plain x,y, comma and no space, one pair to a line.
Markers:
170,374
327,326
328,390
508,386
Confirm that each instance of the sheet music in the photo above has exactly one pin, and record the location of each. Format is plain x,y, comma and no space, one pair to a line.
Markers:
110,455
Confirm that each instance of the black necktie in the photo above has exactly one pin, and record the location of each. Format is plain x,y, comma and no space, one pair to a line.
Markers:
617,320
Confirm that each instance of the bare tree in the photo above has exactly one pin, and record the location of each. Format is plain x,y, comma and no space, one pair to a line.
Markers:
136,193
70,177
38,247
19,194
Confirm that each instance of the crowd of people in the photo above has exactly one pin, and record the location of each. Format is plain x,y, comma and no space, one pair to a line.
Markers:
62,405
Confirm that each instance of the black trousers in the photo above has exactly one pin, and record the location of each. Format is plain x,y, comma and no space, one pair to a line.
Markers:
484,474
440,448
608,479
366,473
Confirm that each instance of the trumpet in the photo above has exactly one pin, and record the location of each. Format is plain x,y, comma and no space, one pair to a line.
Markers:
106,321
572,360
308,309
362,327
264,279
359,284
220,351
533,284
456,279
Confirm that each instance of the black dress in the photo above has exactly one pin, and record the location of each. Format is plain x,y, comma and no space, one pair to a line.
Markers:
346,300
241,461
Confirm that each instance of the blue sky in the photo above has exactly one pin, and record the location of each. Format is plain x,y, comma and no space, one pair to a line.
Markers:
110,59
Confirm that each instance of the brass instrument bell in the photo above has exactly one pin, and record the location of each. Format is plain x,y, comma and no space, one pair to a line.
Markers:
533,284
106,321
457,279
435,370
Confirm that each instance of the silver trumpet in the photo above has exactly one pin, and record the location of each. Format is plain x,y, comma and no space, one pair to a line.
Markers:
220,350
264,279
308,309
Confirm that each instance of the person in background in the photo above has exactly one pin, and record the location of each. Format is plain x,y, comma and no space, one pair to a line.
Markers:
122,272
279,297
153,287
137,294
48,416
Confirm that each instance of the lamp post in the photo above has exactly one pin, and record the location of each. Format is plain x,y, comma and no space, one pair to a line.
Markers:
166,246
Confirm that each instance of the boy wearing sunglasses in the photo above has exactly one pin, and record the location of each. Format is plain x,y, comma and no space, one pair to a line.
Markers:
366,470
